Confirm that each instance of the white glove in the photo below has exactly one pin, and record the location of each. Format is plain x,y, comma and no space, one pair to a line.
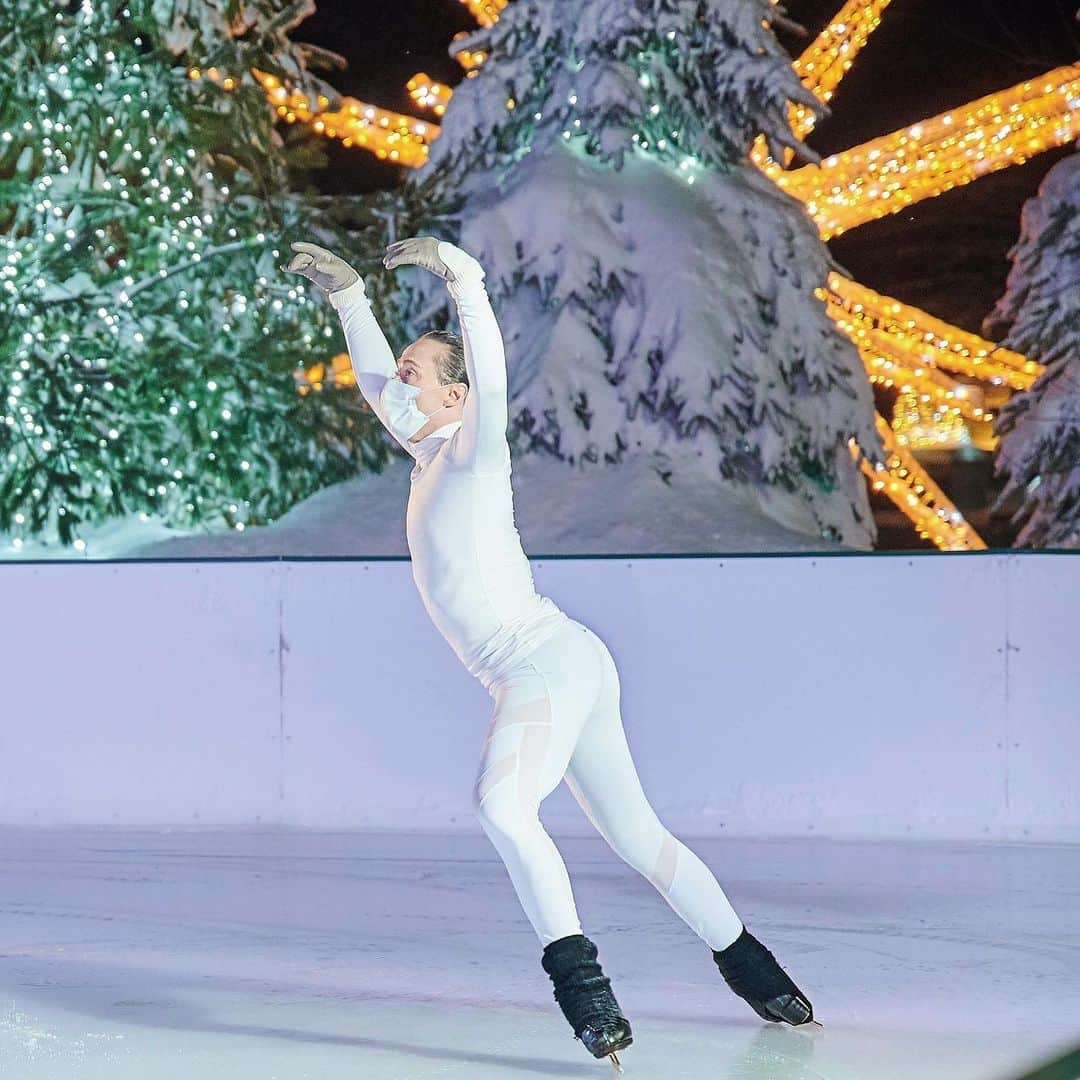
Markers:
324,268
440,257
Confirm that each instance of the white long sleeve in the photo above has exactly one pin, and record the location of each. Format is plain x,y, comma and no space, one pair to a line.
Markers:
482,439
372,359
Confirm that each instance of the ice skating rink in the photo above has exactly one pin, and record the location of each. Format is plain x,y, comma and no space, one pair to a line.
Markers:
286,955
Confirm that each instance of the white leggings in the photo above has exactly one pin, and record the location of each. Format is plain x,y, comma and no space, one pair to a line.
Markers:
558,713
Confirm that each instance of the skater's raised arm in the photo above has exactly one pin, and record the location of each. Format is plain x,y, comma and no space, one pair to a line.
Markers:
484,416
370,354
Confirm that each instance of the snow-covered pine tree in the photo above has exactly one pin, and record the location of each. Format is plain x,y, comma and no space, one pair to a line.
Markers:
658,294
148,340
1039,316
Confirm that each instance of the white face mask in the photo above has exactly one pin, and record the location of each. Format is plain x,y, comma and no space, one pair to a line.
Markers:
404,416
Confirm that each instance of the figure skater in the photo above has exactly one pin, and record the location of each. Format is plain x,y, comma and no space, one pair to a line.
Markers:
553,681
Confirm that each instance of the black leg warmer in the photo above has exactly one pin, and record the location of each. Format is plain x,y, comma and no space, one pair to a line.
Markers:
753,973
584,994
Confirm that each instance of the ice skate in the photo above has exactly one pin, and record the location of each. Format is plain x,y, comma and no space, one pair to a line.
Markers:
753,973
584,994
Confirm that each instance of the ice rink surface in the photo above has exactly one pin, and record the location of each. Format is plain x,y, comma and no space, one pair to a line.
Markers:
289,955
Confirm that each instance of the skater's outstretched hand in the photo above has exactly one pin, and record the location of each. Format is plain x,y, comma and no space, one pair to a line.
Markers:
440,257
327,270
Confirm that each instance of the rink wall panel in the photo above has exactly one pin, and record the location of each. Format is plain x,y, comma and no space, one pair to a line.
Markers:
862,695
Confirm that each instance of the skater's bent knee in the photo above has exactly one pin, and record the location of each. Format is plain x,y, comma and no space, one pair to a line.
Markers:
500,811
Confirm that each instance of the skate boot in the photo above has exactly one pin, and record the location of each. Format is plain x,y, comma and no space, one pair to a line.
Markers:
753,973
584,994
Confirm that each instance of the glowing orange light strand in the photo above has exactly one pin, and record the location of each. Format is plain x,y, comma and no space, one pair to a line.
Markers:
389,135
919,339
822,65
904,481
889,173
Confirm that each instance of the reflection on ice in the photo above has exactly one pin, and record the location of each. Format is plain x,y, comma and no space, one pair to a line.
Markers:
287,955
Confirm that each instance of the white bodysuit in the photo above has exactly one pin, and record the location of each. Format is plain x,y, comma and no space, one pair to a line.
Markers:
554,682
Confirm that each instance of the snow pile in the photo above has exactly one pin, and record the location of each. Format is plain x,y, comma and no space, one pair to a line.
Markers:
650,504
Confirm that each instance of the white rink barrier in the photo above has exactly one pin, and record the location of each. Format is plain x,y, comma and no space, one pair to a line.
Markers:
844,695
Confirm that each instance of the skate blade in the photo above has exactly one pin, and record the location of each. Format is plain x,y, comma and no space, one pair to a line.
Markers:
615,1062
